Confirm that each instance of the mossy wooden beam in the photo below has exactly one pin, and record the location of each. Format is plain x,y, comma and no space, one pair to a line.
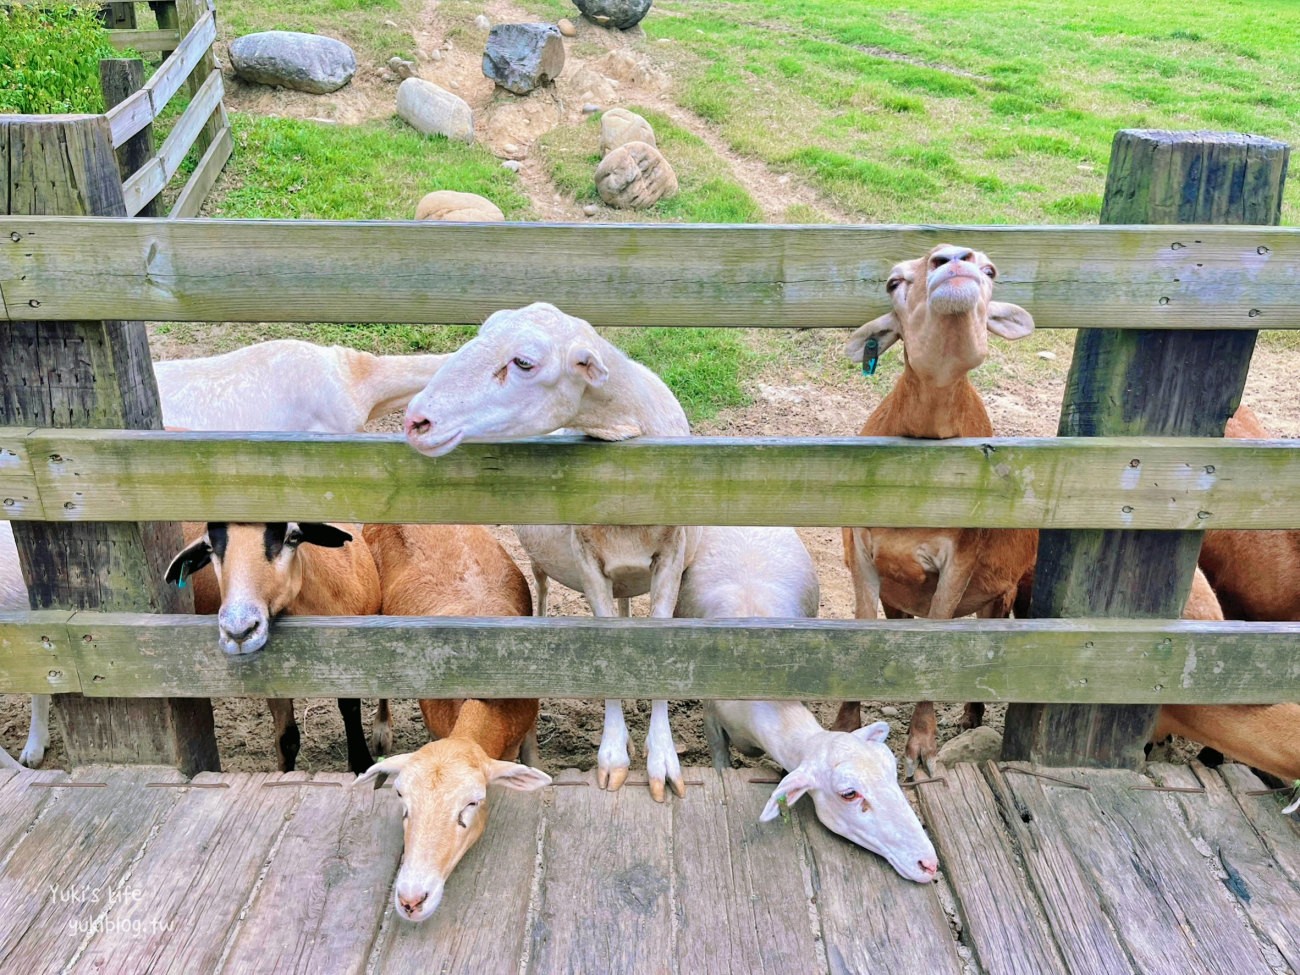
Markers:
1144,382
635,275
128,655
1049,483
34,654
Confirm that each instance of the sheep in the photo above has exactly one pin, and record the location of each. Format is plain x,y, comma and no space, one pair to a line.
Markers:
261,387
852,777
450,570
290,568
942,309
535,370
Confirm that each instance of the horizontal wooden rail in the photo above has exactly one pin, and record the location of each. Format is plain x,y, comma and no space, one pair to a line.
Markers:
205,175
54,268
144,40
1080,661
150,179
132,115
1139,483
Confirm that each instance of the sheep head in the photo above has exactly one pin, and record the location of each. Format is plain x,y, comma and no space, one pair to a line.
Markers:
258,570
853,780
942,309
523,375
443,788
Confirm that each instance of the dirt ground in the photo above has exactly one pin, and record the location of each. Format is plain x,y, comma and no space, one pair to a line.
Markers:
799,398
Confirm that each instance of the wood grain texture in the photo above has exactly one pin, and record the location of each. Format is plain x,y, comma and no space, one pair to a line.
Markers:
1155,886
205,174
996,483
1004,922
320,903
19,495
129,117
1246,868
606,896
22,794
1280,834
481,925
140,189
122,79
637,275
872,920
180,64
741,899
34,653
1140,381
68,870
194,877
189,18
1121,661
145,40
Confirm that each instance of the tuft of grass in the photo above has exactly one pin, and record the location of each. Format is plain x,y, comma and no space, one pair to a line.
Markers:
706,368
362,24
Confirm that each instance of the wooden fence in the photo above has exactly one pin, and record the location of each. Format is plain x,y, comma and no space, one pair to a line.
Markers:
1167,317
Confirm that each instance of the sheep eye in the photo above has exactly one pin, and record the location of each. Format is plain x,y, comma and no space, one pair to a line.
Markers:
461,818
850,795
892,285
990,270
523,364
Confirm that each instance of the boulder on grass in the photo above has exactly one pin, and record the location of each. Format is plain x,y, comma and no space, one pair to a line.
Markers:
434,111
521,57
618,127
451,205
635,176
304,62
614,13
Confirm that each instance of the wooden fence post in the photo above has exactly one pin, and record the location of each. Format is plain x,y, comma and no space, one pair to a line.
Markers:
120,78
118,16
188,13
165,12
92,374
1126,382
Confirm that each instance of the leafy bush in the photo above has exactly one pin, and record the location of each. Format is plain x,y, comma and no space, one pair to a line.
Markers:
49,58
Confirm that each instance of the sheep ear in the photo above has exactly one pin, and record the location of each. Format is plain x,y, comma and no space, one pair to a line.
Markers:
316,533
392,765
189,560
1010,321
886,330
587,363
790,790
512,775
875,732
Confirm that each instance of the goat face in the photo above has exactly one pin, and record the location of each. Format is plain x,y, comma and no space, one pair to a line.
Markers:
853,781
523,375
444,796
259,571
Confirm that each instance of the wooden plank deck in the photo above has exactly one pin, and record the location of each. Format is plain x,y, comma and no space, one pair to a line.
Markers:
134,870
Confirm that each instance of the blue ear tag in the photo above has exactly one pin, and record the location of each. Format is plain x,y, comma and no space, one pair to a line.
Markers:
870,356
180,583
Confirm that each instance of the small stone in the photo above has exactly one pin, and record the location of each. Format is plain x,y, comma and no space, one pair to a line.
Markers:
976,745
514,165
435,55
390,23
614,13
591,108
510,149
521,57
290,59
386,74
635,176
1049,356
402,68
434,111
462,207
889,711
591,209
566,27
482,22
618,127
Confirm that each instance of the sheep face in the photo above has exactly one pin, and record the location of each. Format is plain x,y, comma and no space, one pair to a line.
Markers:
258,570
443,789
523,375
942,309
853,781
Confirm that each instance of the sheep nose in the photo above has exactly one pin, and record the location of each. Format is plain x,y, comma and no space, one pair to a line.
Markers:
243,635
417,424
966,256
929,867
412,904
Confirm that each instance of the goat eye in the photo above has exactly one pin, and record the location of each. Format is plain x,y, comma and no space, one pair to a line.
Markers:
990,270
523,364
849,795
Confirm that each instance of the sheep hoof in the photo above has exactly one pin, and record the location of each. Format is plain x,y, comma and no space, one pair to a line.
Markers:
657,790
611,780
679,786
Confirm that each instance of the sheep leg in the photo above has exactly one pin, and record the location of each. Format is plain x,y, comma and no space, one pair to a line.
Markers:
38,736
529,749
661,761
543,582
866,596
381,733
922,739
287,738
716,735
612,760
359,757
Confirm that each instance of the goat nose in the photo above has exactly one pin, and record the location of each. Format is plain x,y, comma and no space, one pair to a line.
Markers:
412,904
416,424
929,867
245,633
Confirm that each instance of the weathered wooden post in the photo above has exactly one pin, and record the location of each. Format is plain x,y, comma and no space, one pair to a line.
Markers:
120,78
165,12
118,16
188,13
91,374
1126,382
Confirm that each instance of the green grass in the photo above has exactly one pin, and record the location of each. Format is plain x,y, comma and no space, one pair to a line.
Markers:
363,24
49,58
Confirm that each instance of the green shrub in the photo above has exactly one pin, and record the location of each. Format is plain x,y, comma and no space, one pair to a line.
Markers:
49,58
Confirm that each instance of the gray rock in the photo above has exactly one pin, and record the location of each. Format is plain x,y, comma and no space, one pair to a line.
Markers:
618,127
304,62
976,745
635,176
591,108
521,57
614,13
514,165
434,111
402,68
482,22
566,27
591,209
889,711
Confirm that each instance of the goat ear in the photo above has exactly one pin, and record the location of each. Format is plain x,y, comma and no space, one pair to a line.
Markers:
886,330
512,775
1010,321
875,732
790,789
317,533
189,560
587,363
378,772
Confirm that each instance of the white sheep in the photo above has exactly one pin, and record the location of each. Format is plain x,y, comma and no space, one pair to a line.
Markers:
533,371
852,777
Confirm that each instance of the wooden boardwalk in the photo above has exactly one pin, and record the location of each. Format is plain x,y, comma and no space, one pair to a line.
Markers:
123,870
